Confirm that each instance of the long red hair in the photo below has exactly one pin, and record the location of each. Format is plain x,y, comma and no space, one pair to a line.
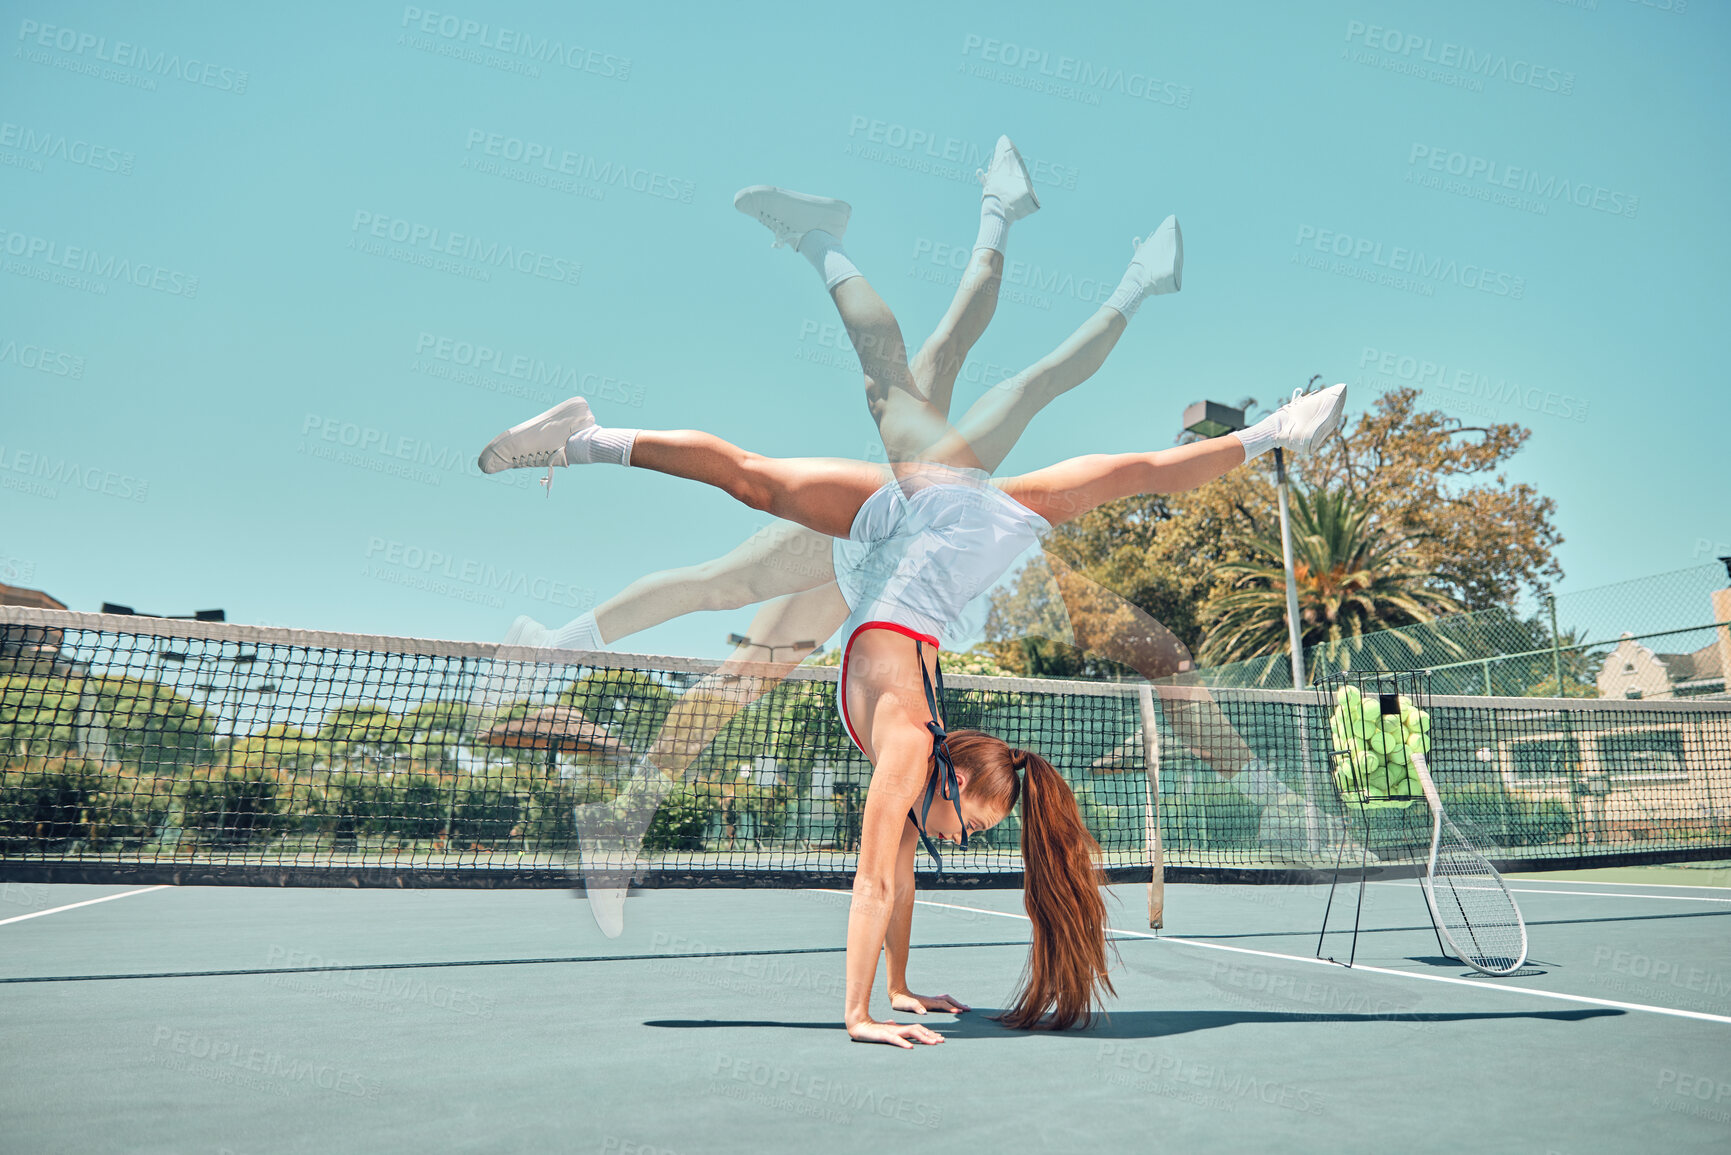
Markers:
1066,972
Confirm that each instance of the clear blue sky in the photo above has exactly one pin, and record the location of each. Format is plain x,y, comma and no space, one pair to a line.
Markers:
175,447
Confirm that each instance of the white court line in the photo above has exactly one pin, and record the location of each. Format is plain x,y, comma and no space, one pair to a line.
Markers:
1474,984
1608,882
86,902
1588,893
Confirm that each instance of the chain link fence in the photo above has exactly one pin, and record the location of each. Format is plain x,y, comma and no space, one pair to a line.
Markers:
1651,638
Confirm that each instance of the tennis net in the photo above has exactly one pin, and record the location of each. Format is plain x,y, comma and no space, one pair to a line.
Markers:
139,750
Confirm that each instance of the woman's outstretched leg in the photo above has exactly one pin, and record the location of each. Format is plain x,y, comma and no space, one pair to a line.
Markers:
781,558
1100,622
1067,490
820,493
784,557
997,420
1006,196
909,403
610,834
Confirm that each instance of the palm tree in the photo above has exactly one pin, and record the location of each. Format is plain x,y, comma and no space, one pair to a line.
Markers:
1353,578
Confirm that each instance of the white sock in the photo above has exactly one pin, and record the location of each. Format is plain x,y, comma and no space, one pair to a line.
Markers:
595,445
580,633
826,256
1127,297
1261,437
994,226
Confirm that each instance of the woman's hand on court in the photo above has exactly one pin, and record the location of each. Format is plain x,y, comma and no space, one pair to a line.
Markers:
920,1004
903,1035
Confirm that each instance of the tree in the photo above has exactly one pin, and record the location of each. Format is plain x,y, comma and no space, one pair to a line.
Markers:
1484,539
1353,577
1480,540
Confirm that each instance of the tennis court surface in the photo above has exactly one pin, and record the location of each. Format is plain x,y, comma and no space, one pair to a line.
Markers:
269,890
211,1019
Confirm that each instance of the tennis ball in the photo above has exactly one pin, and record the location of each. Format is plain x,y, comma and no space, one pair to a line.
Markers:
1397,755
1409,716
1418,743
1377,780
1348,696
1424,721
1371,711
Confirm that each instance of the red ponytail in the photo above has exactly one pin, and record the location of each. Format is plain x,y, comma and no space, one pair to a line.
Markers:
1066,972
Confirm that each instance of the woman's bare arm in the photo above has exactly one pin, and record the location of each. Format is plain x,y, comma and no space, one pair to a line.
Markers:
902,748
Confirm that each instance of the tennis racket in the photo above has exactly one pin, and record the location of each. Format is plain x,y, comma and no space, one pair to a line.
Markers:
1473,911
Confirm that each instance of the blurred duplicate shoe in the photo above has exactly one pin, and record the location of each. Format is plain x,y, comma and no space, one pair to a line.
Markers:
526,631
790,215
1007,179
1159,260
610,838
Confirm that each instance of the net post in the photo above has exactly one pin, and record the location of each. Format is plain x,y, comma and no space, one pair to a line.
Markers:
1151,805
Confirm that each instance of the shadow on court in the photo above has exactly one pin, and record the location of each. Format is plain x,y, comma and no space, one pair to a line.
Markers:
978,1024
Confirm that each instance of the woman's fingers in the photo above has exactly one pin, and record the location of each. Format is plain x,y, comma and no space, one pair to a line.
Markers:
903,1035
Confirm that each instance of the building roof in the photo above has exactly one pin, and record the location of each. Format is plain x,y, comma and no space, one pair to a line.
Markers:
36,599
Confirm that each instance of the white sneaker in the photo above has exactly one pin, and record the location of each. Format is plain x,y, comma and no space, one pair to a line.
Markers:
1159,260
1007,179
539,441
1304,422
790,215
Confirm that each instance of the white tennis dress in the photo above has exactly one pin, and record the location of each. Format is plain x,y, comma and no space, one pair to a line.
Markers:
921,554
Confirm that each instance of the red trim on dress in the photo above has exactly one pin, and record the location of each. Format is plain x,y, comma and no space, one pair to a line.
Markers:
847,654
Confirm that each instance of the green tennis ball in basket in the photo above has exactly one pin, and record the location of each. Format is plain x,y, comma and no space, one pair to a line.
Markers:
1348,696
1408,715
1397,754
1418,743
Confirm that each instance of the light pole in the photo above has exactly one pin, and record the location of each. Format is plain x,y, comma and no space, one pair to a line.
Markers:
1212,419
742,640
